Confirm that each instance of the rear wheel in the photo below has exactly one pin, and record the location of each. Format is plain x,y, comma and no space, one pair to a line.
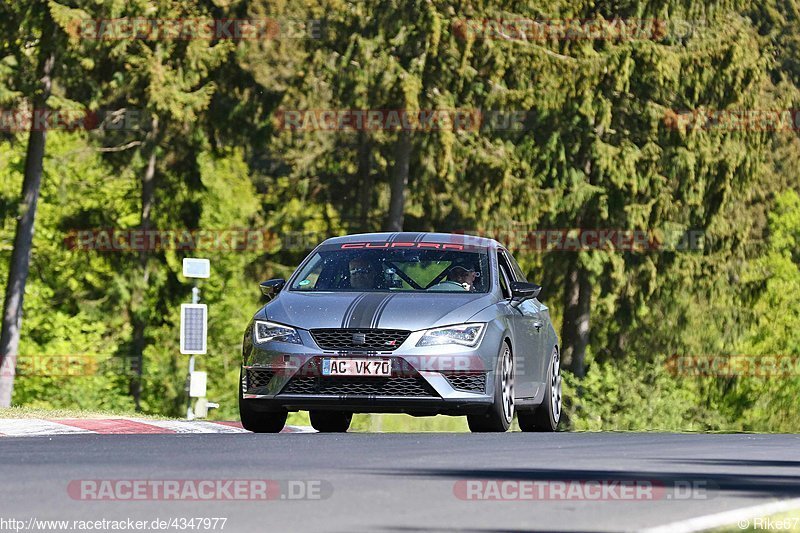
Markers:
330,421
263,421
547,416
499,416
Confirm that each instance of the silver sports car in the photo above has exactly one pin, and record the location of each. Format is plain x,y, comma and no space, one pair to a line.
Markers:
417,323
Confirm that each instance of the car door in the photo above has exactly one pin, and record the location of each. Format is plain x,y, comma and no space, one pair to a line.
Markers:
529,324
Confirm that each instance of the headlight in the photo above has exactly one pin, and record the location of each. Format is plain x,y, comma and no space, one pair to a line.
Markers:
463,334
270,331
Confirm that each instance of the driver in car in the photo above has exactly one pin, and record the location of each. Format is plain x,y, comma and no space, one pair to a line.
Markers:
362,274
459,278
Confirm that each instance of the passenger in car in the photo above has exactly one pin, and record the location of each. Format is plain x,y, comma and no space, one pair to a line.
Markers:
459,278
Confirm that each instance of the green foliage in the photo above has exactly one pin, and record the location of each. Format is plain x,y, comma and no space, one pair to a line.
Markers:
772,403
71,297
637,396
776,280
645,395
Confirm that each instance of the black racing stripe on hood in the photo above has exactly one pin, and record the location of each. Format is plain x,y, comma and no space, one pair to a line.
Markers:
377,316
365,310
349,310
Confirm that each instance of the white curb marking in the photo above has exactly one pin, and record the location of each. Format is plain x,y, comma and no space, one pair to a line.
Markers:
725,518
194,426
36,427
31,427
299,429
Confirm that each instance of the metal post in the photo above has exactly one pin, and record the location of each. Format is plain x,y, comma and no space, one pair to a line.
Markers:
189,412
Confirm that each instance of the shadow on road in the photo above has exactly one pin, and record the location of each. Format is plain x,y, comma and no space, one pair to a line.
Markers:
766,463
742,484
405,529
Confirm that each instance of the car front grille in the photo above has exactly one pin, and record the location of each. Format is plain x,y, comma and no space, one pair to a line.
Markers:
360,386
467,381
383,340
258,378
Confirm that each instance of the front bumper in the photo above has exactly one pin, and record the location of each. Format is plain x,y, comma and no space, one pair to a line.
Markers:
425,380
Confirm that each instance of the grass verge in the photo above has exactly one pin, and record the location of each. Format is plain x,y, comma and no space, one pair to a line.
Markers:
35,412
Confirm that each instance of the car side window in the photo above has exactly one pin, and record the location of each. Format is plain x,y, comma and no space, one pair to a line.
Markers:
516,268
505,276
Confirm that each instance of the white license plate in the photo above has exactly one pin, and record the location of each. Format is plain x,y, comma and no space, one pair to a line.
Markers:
356,367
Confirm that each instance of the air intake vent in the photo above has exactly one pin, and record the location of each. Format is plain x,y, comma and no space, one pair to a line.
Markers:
358,386
258,378
467,381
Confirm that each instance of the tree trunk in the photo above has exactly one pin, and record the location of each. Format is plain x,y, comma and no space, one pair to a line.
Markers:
23,239
575,327
578,296
366,180
399,182
137,309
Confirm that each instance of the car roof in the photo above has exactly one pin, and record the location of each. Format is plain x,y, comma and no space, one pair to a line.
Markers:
407,236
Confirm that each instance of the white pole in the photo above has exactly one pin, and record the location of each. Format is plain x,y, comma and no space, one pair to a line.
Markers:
189,412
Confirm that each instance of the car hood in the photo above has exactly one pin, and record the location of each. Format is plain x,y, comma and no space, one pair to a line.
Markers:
411,311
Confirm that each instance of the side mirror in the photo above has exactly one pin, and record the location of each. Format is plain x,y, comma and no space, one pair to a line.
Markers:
271,287
521,290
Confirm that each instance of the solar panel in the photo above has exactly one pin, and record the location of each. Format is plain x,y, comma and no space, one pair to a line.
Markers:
196,268
194,328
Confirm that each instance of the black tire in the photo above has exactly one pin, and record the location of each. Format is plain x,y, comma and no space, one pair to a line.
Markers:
500,415
260,421
330,421
547,416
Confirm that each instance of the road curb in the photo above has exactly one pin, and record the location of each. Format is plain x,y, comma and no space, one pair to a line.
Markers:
40,427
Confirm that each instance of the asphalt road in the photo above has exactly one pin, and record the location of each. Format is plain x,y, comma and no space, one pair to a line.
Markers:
405,482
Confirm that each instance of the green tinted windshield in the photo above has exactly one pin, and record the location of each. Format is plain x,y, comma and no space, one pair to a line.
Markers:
394,270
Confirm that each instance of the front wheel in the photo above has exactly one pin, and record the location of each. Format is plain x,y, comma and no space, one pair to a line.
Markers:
547,416
330,421
499,416
263,421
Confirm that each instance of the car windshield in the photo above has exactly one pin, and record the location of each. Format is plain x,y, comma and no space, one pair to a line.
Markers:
392,269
